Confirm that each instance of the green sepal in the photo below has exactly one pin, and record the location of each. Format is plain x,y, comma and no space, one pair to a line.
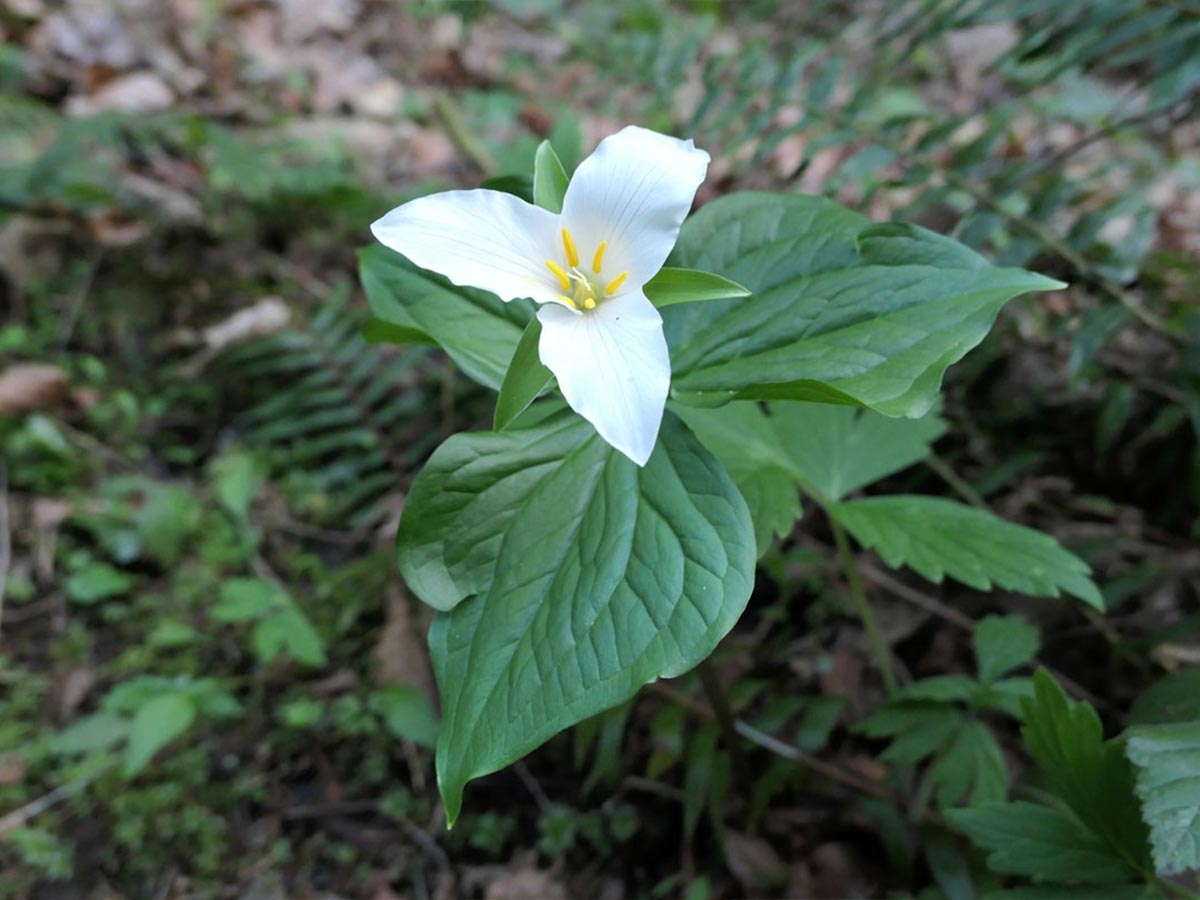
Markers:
549,178
671,286
525,379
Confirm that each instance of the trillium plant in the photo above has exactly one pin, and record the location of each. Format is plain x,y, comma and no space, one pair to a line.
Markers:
667,392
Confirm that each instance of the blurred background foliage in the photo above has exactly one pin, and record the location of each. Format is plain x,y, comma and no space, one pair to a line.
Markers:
212,682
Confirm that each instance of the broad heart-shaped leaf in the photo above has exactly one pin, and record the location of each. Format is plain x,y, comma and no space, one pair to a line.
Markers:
844,311
609,576
1088,773
477,329
460,506
938,537
1040,841
1167,758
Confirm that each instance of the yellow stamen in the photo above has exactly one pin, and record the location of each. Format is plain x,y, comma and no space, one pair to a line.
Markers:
599,257
589,303
559,273
567,300
572,253
612,286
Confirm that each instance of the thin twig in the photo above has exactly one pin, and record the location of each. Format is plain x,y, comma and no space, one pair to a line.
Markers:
458,132
531,785
883,654
19,817
966,623
5,535
718,699
958,484
776,746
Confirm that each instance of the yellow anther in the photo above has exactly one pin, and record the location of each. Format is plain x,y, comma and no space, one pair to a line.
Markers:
589,303
559,273
598,259
612,286
572,253
567,300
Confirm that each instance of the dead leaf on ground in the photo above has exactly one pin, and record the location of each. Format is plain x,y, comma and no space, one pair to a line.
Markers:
137,92
401,652
754,862
69,690
524,881
12,769
26,387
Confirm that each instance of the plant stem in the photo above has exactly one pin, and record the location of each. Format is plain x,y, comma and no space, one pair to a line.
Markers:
882,654
1170,888
718,699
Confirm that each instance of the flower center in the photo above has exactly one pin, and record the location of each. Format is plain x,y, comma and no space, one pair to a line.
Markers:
580,290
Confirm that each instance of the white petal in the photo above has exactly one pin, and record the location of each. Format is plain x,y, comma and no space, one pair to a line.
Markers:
482,239
634,192
612,366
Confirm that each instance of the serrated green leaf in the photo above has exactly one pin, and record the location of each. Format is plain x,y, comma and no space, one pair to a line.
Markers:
1091,775
671,286
97,581
938,537
477,329
1079,892
939,689
235,478
99,731
524,380
246,599
1167,758
155,724
972,764
460,506
549,178
1173,698
1002,643
288,630
1039,841
916,730
608,576
843,310
407,714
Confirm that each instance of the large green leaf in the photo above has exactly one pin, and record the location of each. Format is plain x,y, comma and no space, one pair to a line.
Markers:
830,450
1167,758
461,504
839,449
939,537
608,576
1028,839
1089,774
477,330
844,311
743,437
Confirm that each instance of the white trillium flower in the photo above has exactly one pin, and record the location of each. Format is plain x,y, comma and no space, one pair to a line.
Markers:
601,337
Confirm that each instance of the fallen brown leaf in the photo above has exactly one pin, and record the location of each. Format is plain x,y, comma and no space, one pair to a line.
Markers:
31,386
401,652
